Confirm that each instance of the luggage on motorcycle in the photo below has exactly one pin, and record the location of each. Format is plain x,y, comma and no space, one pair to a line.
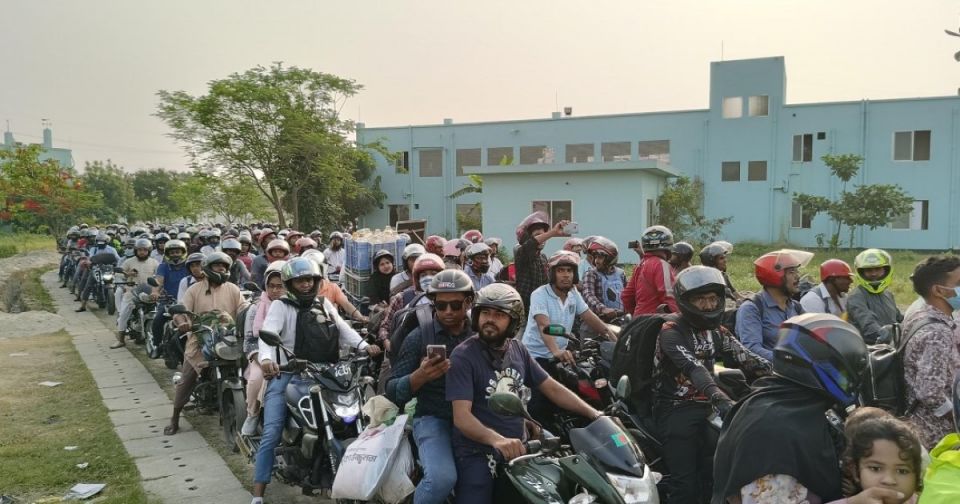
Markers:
410,317
368,462
884,385
633,358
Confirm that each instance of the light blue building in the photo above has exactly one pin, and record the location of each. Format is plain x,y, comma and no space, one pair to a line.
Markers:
63,156
752,150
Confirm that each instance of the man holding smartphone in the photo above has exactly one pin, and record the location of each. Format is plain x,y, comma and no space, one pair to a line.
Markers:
420,371
529,261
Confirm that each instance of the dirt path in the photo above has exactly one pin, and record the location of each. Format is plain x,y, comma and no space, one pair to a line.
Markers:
28,323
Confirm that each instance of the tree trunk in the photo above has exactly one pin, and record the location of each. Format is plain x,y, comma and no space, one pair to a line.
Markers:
278,206
295,204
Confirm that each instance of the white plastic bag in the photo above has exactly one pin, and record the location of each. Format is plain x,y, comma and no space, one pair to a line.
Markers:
397,485
367,460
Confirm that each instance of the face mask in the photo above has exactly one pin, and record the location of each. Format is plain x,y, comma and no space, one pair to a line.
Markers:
955,300
425,282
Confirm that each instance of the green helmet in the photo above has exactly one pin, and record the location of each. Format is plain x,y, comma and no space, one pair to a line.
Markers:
873,258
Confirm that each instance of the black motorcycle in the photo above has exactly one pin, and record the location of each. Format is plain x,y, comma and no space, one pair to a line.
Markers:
103,290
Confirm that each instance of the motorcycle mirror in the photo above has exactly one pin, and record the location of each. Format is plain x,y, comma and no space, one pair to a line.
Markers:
118,270
251,286
506,404
269,337
178,309
623,388
153,282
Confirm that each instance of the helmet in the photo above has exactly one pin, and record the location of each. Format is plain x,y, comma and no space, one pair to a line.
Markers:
873,258
317,257
230,244
499,296
700,280
274,268
538,218
195,257
656,238
563,258
111,232
102,238
473,236
769,267
245,238
710,254
293,234
173,245
161,237
683,250
571,243
606,246
424,263
336,234
412,251
834,268
477,248
316,234
304,244
203,235
141,243
493,241
264,234
183,236
83,225
73,232
822,352
434,244
283,233
450,280
278,244
452,248
216,258
301,267
380,255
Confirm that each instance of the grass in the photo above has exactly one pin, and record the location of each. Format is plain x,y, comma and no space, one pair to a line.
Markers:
38,422
34,295
17,243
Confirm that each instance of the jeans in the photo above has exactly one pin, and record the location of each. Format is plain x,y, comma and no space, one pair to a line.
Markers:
688,448
541,408
274,416
158,322
432,435
475,479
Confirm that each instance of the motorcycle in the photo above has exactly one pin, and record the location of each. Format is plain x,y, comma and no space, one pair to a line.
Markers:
173,341
323,417
103,291
604,465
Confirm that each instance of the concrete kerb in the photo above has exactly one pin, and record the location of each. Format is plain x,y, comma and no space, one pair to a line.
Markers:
175,469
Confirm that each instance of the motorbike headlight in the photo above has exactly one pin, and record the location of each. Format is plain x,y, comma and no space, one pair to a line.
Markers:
635,490
108,277
583,498
346,406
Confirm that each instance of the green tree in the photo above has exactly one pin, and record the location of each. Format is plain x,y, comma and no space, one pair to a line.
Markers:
115,187
680,208
153,190
473,218
194,195
873,205
237,200
248,125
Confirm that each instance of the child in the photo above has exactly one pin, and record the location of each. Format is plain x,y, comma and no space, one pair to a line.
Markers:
883,455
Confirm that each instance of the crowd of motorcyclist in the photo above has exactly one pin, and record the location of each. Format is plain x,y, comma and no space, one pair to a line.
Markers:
480,326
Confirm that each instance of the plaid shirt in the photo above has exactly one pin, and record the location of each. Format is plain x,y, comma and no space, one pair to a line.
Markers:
386,323
592,290
531,266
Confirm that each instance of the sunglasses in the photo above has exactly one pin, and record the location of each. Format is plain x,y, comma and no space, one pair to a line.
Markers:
443,305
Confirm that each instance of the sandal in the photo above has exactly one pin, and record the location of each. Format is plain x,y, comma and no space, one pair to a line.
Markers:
170,430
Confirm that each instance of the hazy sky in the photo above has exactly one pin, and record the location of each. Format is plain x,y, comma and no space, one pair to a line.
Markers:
93,67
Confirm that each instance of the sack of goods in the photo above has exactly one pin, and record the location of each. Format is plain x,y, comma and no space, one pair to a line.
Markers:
378,463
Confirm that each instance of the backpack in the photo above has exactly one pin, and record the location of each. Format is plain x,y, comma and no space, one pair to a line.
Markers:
633,357
405,320
884,385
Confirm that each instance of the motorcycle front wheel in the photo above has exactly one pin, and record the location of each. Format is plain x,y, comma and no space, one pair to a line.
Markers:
233,412
111,302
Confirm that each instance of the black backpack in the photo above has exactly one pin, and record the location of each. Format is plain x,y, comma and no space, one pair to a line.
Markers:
884,385
633,357
407,319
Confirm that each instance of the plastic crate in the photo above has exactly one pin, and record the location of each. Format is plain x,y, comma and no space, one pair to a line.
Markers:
359,255
357,286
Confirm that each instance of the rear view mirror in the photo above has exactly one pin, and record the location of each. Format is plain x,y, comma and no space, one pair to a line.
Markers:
153,282
269,337
502,403
251,286
118,270
178,309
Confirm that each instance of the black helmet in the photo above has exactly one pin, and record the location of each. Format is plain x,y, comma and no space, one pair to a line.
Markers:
700,280
301,267
216,258
656,238
822,352
450,280
710,253
499,296
682,250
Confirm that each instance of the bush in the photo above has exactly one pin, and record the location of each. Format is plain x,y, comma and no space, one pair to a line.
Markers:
7,251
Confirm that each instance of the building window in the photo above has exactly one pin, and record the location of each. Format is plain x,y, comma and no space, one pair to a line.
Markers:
469,216
431,163
658,150
580,153
803,148
615,151
557,210
917,219
911,145
402,162
499,156
821,135
757,106
399,213
799,218
465,158
537,154
756,171
732,107
730,171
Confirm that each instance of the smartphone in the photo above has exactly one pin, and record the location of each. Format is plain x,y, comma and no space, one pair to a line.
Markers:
435,350
635,244
571,228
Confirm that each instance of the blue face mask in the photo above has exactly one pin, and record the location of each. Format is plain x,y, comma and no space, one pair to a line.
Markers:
955,300
425,282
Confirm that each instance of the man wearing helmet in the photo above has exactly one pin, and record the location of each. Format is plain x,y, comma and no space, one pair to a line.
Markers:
276,250
265,237
715,256
100,253
529,261
786,437
492,360
313,328
419,373
680,256
831,295
688,346
169,274
194,263
138,269
336,255
402,280
238,272
213,242
478,265
602,284
434,244
212,293
651,285
495,263
759,318
557,302
871,306
245,256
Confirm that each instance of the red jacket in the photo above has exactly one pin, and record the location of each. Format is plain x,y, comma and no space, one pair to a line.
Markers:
650,286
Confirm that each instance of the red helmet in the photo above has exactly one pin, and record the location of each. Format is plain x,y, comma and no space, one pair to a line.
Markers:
571,243
473,235
304,244
292,234
601,244
538,218
563,258
451,249
834,268
423,263
770,267
434,244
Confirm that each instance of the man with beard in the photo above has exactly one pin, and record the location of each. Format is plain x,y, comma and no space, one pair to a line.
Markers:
336,255
478,265
488,362
138,268
759,318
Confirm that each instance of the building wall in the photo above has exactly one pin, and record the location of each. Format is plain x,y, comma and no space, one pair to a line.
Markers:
62,156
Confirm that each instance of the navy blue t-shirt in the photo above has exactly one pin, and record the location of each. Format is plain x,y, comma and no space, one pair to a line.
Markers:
473,377
172,274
